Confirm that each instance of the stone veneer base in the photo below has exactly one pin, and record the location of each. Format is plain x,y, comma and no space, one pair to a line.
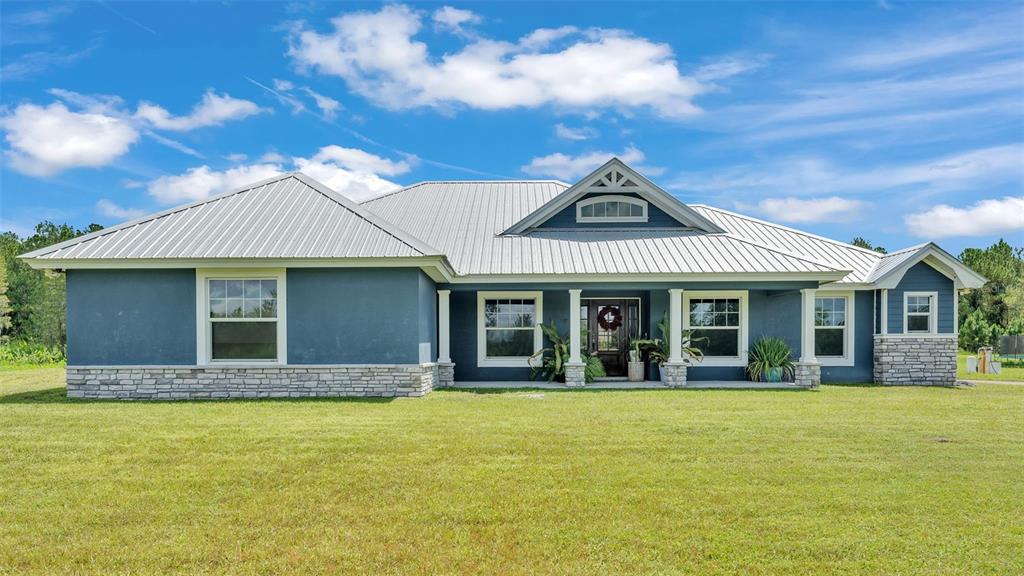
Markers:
807,374
928,360
206,382
575,374
445,374
674,374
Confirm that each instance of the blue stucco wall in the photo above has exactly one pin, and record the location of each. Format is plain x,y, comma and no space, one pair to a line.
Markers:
863,346
131,317
656,218
428,318
358,315
922,278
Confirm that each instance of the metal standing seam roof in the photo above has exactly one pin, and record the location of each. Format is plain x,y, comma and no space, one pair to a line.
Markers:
464,220
290,216
889,262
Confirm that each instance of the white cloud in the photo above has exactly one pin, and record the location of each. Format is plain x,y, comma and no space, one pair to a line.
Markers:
375,52
328,106
45,140
448,18
236,157
565,167
213,110
583,133
283,85
132,184
727,67
202,182
987,217
349,171
111,210
830,209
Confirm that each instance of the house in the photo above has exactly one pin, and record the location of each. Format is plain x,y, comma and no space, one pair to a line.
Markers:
286,288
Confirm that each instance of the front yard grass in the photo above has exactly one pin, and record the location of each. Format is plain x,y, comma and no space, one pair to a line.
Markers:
848,479
1012,370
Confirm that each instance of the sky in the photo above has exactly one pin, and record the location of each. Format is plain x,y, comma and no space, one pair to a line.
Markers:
898,122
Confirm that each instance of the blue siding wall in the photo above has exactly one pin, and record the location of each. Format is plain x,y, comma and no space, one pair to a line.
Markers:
358,315
131,317
922,278
428,318
863,347
656,218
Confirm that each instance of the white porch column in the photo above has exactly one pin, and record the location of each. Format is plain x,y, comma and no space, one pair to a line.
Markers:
675,325
574,326
885,311
807,325
443,330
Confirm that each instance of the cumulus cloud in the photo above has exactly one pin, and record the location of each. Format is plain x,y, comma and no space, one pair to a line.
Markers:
830,209
377,55
213,110
111,210
583,133
452,19
45,140
565,167
349,171
994,216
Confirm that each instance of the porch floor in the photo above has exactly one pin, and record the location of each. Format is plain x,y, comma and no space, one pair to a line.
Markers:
626,385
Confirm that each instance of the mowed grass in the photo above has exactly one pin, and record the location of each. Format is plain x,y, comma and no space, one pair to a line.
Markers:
851,480
1012,370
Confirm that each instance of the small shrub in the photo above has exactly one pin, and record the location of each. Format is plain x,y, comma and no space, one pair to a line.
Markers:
25,352
976,332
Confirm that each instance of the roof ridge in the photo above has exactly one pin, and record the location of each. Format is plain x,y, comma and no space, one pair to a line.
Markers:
784,252
907,249
789,229
425,182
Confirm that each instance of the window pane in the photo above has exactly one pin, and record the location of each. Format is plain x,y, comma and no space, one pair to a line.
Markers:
233,308
830,311
251,307
828,342
252,288
268,288
587,211
917,323
490,313
701,313
505,343
217,289
244,340
218,308
599,210
235,288
636,210
268,308
718,342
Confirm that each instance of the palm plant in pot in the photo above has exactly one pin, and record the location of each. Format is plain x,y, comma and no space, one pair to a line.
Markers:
658,348
550,362
770,360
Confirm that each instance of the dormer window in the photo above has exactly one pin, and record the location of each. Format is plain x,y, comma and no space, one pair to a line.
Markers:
611,208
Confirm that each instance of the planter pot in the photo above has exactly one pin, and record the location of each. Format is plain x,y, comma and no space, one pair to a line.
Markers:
636,371
773,374
661,375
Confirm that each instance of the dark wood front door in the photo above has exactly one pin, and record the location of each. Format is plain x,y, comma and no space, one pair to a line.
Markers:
608,332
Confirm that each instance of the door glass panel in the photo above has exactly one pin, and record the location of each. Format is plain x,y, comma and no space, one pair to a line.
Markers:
609,340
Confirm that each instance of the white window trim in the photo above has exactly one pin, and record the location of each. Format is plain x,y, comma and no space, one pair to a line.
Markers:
482,360
740,360
204,329
610,198
933,312
848,358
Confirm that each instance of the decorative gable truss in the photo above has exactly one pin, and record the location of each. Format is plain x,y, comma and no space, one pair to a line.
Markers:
616,178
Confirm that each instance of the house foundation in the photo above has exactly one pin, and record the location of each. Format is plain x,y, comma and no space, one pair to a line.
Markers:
928,360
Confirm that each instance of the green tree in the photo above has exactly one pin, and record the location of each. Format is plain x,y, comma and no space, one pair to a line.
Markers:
976,332
1001,299
862,242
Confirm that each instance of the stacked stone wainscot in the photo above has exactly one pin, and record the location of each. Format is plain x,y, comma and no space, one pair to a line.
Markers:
194,383
923,360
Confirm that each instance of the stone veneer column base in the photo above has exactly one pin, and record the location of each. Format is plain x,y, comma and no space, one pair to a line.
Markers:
807,374
926,360
445,374
194,382
675,374
575,374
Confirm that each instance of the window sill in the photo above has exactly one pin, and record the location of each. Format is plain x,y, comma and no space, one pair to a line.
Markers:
518,362
835,361
719,361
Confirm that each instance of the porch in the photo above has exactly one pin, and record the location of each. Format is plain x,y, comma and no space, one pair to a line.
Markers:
627,385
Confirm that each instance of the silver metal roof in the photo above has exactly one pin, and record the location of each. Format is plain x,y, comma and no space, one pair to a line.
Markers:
290,216
890,262
465,220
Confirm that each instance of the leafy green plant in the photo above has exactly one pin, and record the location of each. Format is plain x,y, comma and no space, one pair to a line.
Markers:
554,359
770,360
16,352
658,348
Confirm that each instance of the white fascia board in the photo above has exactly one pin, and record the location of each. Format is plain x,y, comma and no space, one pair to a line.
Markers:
620,278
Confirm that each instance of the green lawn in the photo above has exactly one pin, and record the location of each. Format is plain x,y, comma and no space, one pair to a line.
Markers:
1012,371
851,480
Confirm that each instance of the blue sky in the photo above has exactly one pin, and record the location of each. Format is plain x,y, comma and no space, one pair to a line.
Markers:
897,122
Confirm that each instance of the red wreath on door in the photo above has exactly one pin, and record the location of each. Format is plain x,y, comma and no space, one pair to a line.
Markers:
610,318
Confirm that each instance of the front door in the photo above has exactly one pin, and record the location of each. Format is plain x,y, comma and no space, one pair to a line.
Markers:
608,332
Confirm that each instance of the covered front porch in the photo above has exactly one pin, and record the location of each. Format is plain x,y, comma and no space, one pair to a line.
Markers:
486,334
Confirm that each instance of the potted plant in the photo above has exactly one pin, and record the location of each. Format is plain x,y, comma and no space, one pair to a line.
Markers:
658,348
550,362
769,360
636,364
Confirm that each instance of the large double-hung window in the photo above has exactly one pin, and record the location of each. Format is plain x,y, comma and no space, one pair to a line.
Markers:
242,317
830,327
718,320
508,327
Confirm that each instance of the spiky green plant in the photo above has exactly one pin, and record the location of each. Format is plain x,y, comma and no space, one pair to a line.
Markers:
658,348
553,359
767,355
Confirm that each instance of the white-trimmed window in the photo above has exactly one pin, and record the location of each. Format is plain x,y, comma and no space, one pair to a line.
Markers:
611,208
508,327
920,312
241,316
834,328
719,317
